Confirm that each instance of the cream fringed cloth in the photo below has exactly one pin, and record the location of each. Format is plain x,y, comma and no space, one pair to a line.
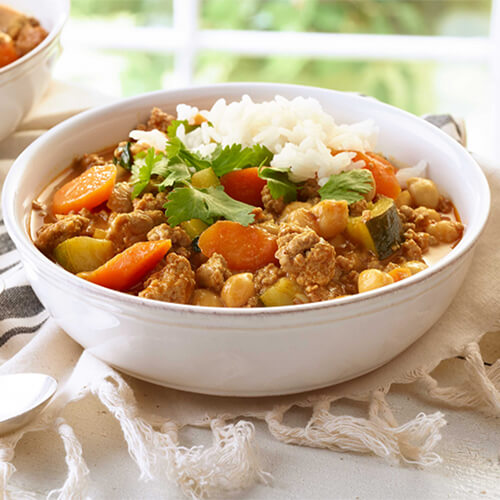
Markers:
31,342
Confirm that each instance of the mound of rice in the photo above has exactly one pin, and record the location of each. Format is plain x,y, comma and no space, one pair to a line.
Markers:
299,133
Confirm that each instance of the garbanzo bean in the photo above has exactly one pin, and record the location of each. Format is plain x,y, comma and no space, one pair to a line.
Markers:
446,231
423,192
370,279
415,266
238,290
331,217
203,297
404,198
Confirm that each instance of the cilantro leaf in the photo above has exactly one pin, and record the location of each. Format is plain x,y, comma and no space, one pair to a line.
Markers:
349,186
175,124
207,204
142,169
125,159
236,157
178,153
278,183
174,173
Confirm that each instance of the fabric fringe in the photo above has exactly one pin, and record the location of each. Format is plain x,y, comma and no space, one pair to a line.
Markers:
230,464
480,390
411,442
76,484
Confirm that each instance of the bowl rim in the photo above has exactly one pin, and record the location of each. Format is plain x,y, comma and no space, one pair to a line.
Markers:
28,250
62,18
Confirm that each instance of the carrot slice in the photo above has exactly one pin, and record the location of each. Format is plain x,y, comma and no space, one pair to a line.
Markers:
127,268
245,248
384,174
88,190
244,185
8,53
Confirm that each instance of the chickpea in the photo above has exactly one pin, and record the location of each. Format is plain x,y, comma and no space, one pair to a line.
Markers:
304,218
203,297
415,266
370,279
430,213
423,192
404,198
331,216
238,290
446,231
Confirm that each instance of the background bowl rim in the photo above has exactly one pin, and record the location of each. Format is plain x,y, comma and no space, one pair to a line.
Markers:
61,20
28,250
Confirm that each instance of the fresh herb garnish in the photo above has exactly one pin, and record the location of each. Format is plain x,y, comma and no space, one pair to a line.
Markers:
144,166
278,183
235,157
178,153
125,158
207,204
349,186
174,173
175,124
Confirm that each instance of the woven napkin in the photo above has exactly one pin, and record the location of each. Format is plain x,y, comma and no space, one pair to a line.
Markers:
31,342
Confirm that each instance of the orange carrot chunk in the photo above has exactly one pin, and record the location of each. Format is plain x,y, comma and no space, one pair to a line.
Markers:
245,248
127,268
88,190
8,52
244,185
384,173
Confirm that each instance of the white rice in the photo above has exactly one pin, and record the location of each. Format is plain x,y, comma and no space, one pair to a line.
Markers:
299,133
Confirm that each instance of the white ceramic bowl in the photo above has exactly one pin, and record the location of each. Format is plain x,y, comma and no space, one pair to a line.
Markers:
247,352
23,82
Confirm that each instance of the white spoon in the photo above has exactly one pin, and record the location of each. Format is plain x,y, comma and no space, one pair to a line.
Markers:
22,396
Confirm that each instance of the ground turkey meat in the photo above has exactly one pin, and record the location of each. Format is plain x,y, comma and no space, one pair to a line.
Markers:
305,256
213,273
30,35
127,229
271,205
89,160
266,277
176,235
159,120
150,201
121,198
174,283
50,235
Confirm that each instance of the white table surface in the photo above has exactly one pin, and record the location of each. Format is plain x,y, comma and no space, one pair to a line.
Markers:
470,447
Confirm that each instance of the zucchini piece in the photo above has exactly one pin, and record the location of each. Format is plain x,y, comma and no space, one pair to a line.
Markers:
381,231
282,293
194,227
83,253
205,178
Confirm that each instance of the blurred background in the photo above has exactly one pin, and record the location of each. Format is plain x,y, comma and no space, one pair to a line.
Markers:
425,56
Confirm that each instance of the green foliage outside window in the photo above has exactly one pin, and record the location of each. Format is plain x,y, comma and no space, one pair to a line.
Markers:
409,85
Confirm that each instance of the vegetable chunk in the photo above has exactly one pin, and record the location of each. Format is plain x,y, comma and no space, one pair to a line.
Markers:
83,253
244,248
244,185
88,190
127,268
